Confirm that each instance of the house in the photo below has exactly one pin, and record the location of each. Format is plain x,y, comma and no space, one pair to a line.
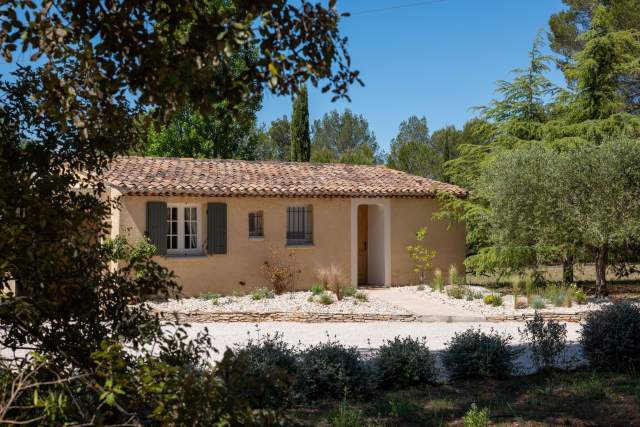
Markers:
216,222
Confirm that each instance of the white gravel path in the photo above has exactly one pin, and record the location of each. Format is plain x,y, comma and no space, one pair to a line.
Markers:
369,336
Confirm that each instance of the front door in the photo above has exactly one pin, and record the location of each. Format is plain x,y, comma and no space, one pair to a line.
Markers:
363,249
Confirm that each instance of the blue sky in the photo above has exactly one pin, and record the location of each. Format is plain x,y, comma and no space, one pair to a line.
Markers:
434,58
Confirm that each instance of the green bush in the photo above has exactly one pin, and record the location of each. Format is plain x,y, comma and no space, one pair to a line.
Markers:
559,295
493,299
473,353
262,293
476,417
404,362
546,340
580,296
325,299
330,370
207,296
361,296
420,288
454,276
350,291
471,294
609,337
271,366
438,280
537,302
457,292
317,289
344,416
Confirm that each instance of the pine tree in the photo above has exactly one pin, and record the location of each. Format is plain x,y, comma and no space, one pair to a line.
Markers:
300,139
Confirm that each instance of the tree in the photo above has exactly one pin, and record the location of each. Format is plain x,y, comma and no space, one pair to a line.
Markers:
343,137
279,139
569,26
411,150
300,139
588,195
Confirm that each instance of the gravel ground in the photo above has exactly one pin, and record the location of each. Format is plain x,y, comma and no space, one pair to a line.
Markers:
369,336
477,306
289,302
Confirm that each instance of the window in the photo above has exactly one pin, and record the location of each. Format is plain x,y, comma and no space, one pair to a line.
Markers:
256,228
300,225
184,235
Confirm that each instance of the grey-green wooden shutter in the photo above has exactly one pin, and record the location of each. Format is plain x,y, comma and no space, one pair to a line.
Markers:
157,226
217,228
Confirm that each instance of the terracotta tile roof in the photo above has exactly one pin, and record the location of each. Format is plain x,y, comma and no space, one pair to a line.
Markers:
204,177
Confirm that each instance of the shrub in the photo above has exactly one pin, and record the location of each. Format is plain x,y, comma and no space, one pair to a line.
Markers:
420,255
456,292
404,410
493,299
350,291
438,280
580,296
473,353
559,295
420,288
207,296
261,293
590,388
333,280
330,370
516,286
471,294
361,296
345,416
476,417
325,299
609,337
404,362
317,289
537,302
270,366
454,276
546,339
281,271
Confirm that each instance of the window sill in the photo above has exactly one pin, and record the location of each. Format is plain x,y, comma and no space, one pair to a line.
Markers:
258,238
187,256
300,245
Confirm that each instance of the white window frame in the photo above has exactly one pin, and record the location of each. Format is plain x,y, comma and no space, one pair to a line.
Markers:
181,249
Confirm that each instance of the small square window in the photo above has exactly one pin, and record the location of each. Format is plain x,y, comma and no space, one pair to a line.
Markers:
256,227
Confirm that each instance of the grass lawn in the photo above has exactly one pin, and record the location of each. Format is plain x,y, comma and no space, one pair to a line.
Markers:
557,398
626,287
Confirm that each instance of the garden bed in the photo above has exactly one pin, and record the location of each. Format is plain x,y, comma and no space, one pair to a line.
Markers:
284,305
478,306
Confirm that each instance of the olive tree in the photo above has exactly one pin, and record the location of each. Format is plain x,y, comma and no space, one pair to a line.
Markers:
587,196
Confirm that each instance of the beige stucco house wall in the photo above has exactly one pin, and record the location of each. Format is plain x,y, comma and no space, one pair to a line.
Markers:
342,227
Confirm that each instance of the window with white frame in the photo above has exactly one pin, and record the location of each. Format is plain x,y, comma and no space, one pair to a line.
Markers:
300,225
184,229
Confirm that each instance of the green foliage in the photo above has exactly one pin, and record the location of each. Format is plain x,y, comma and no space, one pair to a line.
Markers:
262,293
361,296
473,353
546,339
438,280
317,289
457,292
330,369
493,299
404,362
325,299
476,417
609,337
420,288
278,140
454,277
271,365
421,255
300,139
345,416
350,291
560,295
580,296
537,302
345,138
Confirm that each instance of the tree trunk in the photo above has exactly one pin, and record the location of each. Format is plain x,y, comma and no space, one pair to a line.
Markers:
602,255
567,269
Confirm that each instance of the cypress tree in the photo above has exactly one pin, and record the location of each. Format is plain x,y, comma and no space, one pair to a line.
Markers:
300,139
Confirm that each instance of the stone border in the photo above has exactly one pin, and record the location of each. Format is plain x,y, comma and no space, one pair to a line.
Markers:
302,317
282,316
